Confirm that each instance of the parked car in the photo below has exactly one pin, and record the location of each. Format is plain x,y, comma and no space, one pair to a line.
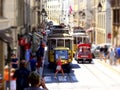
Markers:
95,51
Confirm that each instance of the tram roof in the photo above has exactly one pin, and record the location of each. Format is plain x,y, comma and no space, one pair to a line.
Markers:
79,34
60,35
59,27
70,38
65,28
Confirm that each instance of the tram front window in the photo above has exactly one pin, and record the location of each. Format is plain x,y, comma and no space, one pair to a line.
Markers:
75,39
86,40
60,42
53,44
79,40
67,43
62,53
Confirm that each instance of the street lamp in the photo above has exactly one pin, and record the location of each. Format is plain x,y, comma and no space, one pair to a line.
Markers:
99,7
44,14
83,15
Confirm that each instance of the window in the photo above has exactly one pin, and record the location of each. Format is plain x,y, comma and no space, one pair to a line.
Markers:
114,16
53,44
67,43
1,7
60,42
117,19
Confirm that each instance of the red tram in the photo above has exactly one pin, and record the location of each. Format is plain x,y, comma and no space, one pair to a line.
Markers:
83,53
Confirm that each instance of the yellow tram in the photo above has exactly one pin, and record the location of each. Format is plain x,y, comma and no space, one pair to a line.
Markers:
60,43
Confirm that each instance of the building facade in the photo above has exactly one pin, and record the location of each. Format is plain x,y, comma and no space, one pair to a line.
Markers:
5,39
115,22
60,11
103,22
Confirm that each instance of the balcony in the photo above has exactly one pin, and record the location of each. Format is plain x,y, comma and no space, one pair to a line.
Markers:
5,32
4,23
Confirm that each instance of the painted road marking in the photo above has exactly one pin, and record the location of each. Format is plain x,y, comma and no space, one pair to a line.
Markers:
61,78
48,78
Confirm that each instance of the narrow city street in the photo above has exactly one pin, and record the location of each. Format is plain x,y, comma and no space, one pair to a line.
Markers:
95,76
38,35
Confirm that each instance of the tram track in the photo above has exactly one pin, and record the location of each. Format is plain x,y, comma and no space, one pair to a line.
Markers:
90,67
111,68
98,79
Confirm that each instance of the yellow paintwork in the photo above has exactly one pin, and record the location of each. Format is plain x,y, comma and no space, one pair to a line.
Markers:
51,59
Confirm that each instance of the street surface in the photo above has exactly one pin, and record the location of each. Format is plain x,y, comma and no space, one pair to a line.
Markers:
95,76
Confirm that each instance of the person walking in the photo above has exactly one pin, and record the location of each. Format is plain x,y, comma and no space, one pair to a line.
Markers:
6,76
111,55
33,62
12,80
21,75
59,67
116,55
40,54
101,52
105,53
35,82
14,61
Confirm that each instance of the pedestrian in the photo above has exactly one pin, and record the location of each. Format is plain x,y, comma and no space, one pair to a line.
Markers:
12,80
101,52
59,67
111,55
21,75
118,53
6,76
33,62
105,53
27,53
40,54
35,82
14,61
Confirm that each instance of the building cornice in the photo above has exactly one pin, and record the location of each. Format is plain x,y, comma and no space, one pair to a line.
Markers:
4,24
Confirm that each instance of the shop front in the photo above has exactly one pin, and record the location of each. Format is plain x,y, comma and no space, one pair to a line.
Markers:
5,43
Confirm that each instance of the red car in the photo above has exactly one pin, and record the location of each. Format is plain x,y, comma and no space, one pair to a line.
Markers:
83,53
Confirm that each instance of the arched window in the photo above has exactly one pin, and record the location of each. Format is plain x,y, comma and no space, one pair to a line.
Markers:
1,8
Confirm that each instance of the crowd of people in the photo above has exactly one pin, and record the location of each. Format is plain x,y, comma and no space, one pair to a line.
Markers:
112,54
25,74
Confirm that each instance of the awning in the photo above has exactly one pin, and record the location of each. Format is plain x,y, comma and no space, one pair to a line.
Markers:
6,36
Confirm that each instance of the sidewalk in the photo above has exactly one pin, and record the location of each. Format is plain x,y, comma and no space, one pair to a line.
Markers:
115,68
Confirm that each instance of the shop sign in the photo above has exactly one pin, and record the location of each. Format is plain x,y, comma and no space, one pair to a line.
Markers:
109,35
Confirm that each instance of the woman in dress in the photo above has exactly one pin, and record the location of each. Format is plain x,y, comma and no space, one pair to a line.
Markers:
59,67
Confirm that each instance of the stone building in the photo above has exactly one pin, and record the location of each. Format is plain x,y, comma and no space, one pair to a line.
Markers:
115,22
103,22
